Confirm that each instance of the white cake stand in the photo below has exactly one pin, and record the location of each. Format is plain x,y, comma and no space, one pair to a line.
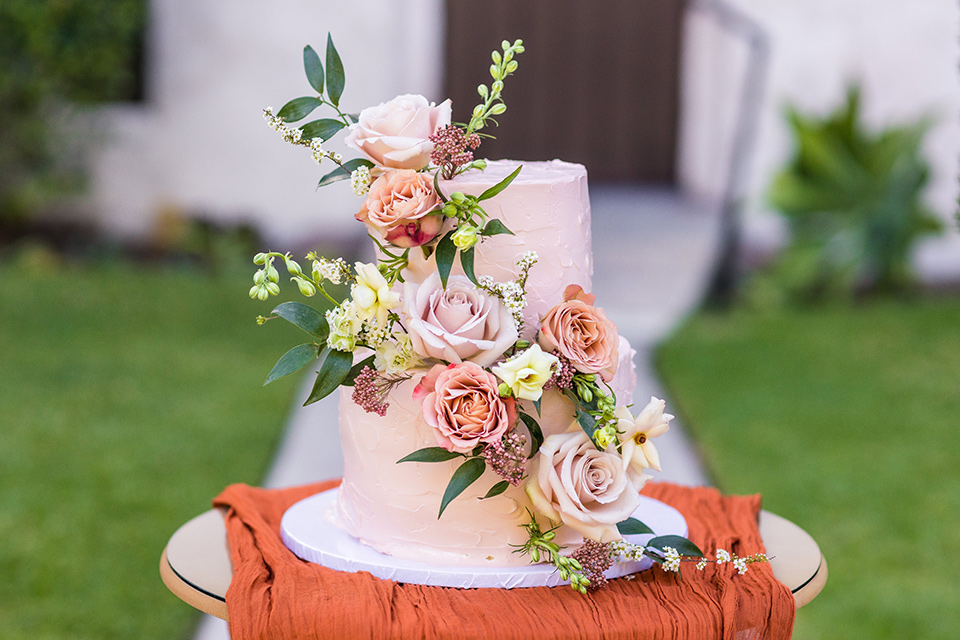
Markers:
310,533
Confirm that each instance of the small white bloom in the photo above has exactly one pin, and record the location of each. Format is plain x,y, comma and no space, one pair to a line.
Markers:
638,433
372,295
722,556
741,565
527,373
396,356
702,564
671,559
344,326
360,181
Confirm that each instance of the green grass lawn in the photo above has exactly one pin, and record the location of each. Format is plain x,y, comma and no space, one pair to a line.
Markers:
848,421
129,398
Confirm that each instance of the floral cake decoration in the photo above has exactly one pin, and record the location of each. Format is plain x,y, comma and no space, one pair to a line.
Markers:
480,384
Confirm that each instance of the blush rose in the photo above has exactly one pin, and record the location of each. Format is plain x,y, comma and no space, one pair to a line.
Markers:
582,333
457,324
402,207
587,489
395,134
461,403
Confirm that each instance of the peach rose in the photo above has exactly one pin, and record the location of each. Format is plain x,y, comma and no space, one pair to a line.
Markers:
400,205
461,403
456,324
571,481
395,134
582,333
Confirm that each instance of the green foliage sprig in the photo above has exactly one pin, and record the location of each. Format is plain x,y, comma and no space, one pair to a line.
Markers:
492,105
542,547
466,474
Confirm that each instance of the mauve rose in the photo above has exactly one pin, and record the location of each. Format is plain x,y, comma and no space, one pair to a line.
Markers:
457,324
571,481
399,207
461,403
582,333
395,134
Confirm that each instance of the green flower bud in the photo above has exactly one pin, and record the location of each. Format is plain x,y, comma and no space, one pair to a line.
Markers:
449,210
564,574
273,288
457,196
498,108
504,390
497,87
260,258
575,565
512,66
259,277
507,55
505,45
480,164
495,72
497,58
465,237
483,91
549,535
478,111
523,344
535,555
586,394
255,291
305,286
293,268
518,45
272,274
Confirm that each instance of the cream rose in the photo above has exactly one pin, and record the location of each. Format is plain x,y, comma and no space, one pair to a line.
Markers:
400,207
395,134
637,434
461,403
527,373
457,324
582,333
372,296
571,481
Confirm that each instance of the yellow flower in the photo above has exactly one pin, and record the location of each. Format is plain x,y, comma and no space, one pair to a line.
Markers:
371,294
527,373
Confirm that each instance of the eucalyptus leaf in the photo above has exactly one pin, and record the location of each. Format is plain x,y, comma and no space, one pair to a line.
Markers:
536,434
587,422
314,68
536,405
495,227
336,365
500,186
342,173
298,108
632,526
430,454
446,252
683,546
356,369
496,489
305,317
466,261
335,78
465,475
293,360
323,129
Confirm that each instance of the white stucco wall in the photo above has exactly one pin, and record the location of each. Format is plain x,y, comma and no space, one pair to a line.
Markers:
199,144
905,53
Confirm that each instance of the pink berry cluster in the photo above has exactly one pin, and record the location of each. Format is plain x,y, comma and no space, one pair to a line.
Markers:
507,458
562,377
370,391
452,149
594,558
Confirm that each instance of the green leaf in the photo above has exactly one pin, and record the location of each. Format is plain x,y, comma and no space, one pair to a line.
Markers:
305,317
335,78
323,129
293,360
342,173
632,526
356,369
587,422
314,68
336,365
446,252
430,454
298,108
536,434
465,475
466,261
536,405
495,227
496,489
500,186
683,546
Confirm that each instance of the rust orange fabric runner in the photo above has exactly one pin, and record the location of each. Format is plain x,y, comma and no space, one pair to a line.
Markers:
276,595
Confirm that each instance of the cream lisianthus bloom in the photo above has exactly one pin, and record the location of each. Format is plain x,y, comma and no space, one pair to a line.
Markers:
395,356
372,295
527,373
637,434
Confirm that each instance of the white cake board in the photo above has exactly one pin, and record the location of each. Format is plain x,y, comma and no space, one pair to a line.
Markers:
310,533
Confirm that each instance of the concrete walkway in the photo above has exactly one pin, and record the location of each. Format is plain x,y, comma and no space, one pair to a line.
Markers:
653,251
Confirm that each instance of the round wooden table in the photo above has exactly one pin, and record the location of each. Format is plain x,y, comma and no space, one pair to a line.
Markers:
196,565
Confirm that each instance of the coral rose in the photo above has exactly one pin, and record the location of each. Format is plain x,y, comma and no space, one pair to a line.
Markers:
395,134
400,207
456,324
582,333
461,403
587,489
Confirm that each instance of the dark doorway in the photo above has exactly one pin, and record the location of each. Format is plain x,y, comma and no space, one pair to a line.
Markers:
597,84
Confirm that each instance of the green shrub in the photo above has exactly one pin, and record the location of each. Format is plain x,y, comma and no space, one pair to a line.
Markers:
853,202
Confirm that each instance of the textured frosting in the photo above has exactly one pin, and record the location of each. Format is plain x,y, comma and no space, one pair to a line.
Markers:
393,507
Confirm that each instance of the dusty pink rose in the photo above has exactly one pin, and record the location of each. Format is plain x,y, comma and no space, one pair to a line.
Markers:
395,134
582,333
587,489
457,324
400,205
461,403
